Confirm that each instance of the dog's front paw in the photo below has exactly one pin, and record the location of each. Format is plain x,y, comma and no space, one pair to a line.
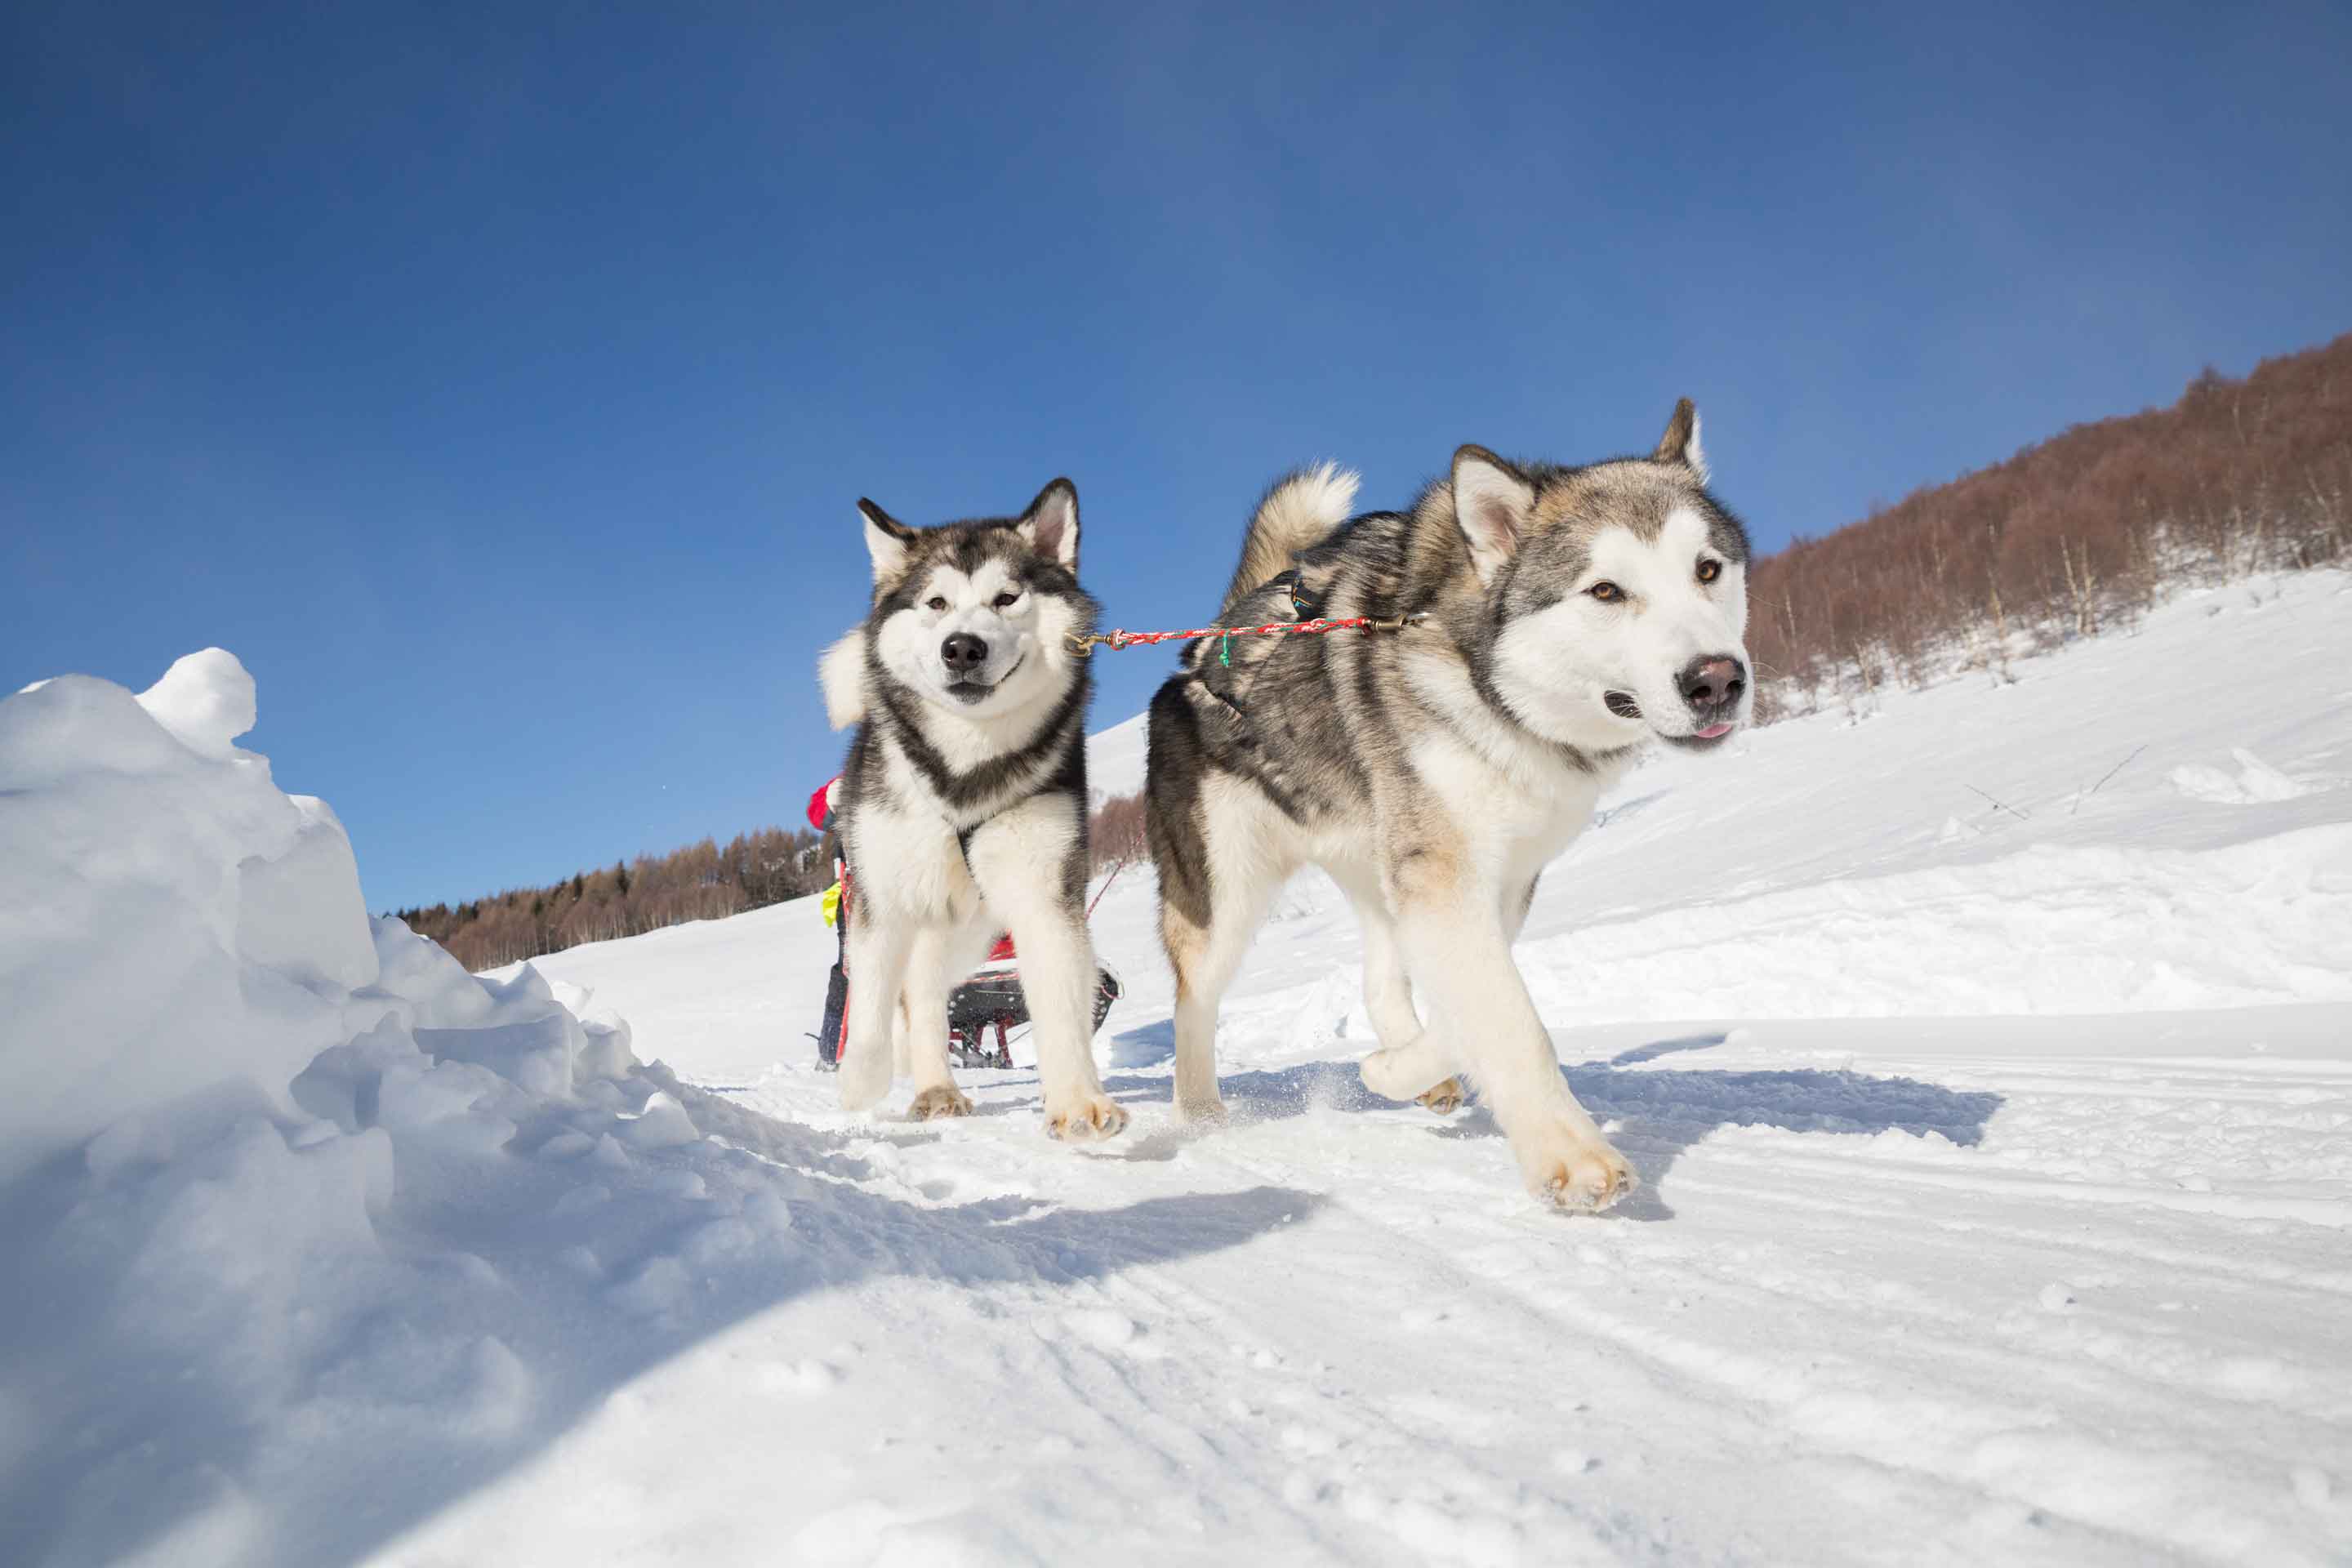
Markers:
1572,1172
1085,1119
1446,1099
940,1100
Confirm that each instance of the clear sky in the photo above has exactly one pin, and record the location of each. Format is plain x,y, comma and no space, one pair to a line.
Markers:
496,382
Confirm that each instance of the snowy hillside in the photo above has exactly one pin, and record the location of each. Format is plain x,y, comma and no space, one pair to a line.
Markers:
1115,760
1988,1058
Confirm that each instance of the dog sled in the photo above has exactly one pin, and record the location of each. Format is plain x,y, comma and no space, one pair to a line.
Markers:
991,1000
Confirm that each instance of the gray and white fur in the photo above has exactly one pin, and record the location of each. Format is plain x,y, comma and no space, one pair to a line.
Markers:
963,803
1568,617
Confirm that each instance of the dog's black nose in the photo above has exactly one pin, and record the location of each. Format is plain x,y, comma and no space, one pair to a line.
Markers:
964,652
1713,682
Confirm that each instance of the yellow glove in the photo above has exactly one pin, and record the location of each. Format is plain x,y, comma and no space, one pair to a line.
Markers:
831,904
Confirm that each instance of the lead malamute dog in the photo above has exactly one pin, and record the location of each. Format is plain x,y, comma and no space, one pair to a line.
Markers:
1567,617
963,808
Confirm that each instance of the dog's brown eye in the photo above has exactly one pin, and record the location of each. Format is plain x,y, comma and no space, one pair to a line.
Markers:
1708,571
1607,593
1005,599
935,603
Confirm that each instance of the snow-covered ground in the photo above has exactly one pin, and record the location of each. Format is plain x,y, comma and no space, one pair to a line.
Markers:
1998,1157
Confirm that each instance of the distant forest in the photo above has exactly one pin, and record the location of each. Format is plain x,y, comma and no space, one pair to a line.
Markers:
2086,530
2080,534
700,883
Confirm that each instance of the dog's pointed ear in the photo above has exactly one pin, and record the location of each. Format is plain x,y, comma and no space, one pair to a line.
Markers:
1494,503
887,540
1680,443
1051,523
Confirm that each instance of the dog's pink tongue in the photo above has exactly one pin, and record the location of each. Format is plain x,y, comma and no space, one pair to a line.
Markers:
1714,732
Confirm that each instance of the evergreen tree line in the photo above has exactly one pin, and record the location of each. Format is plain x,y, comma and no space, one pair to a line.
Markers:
2082,533
700,883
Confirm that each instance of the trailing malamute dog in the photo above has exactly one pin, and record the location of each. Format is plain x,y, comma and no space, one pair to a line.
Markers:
1563,619
963,808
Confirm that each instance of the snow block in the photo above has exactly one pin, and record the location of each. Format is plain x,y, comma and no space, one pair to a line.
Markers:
223,1077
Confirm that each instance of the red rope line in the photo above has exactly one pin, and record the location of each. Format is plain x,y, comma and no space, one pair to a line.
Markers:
1114,870
1122,638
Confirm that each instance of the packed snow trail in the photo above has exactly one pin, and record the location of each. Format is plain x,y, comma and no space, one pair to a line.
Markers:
2007,1216
1997,1199
1894,1292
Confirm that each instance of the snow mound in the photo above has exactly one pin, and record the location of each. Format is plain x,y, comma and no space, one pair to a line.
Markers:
311,1233
206,699
169,919
278,1170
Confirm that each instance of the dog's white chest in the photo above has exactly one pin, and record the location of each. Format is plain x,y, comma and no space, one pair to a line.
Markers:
1521,811
912,862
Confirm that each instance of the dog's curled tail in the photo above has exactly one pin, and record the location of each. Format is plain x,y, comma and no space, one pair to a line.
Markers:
1303,506
842,675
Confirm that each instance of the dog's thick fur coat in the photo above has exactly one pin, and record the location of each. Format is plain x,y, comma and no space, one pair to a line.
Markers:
963,805
1567,616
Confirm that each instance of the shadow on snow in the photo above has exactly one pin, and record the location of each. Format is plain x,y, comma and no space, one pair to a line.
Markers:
565,1271
588,1277
1657,1112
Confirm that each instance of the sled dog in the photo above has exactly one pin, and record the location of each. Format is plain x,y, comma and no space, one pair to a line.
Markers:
1563,619
963,808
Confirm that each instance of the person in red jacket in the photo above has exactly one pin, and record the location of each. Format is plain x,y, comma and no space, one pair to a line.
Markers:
836,914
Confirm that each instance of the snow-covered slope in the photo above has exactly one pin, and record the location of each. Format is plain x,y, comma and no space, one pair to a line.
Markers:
1998,1204
1115,760
2157,820
307,1229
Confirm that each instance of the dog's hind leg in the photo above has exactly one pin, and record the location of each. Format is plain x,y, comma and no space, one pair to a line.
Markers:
1209,914
1204,958
879,946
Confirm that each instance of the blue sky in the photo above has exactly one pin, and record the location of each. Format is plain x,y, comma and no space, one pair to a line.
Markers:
497,382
